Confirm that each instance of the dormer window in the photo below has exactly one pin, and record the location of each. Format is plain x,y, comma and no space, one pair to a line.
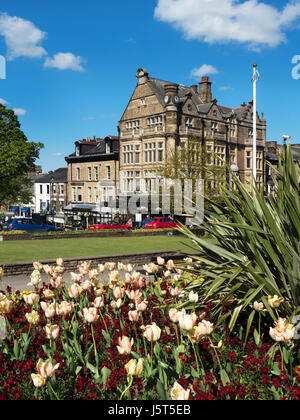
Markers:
77,150
107,148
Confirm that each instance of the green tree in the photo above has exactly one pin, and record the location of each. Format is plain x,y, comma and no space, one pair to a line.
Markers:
193,160
17,158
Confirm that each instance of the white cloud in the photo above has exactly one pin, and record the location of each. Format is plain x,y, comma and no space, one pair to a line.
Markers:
65,61
22,37
3,101
20,111
57,154
249,22
204,70
225,88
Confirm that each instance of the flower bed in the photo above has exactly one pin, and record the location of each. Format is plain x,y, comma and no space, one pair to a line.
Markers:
133,336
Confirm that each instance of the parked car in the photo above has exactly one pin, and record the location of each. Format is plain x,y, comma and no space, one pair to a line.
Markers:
113,225
161,223
28,225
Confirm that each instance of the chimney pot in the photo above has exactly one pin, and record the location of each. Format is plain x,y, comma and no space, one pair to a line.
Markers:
194,88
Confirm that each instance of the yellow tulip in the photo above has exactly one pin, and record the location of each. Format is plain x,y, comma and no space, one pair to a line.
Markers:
134,368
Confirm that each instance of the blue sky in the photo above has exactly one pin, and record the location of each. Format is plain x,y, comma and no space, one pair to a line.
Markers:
70,66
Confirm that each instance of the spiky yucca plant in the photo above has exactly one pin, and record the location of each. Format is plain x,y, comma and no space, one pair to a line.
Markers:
255,252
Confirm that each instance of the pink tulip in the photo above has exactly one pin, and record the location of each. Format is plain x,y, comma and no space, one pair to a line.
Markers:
46,369
125,345
118,292
99,302
134,294
90,314
52,331
74,290
152,332
31,299
141,305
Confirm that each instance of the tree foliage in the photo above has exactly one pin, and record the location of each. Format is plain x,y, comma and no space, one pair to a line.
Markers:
17,158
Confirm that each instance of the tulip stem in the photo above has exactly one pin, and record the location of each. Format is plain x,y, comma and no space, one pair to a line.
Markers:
103,321
196,358
56,396
130,383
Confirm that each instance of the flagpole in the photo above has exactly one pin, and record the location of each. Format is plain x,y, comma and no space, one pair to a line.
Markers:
254,80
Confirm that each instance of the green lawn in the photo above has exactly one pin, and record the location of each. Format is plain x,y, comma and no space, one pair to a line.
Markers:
17,251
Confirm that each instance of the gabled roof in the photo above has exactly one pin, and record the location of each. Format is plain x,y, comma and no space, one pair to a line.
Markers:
59,175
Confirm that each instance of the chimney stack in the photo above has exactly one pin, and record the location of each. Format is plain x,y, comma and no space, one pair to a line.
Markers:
194,88
205,90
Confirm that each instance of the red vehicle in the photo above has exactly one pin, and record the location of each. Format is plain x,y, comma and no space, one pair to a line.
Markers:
161,223
113,225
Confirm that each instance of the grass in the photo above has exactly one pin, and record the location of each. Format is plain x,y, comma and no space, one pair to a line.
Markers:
18,251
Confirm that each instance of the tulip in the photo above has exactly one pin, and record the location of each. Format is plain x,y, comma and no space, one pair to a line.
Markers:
56,281
48,270
128,267
1,272
118,292
128,278
76,277
101,268
110,266
203,329
37,266
258,306
48,294
6,306
120,266
133,316
170,265
90,314
116,304
49,309
32,317
64,308
113,276
151,268
46,369
152,332
52,331
134,294
35,278
139,281
86,285
193,297
99,302
275,301
31,298
141,306
134,368
38,380
179,393
173,315
60,262
160,261
187,322
174,291
282,331
93,274
74,290
84,268
125,345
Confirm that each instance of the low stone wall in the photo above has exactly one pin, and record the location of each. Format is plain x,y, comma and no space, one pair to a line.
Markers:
139,258
100,234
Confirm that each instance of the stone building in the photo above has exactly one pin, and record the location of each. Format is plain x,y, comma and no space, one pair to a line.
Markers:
161,116
93,178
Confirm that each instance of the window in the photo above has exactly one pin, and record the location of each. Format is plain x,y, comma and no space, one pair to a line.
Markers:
74,194
137,153
128,154
96,194
41,189
155,121
89,173
250,133
214,126
133,125
78,174
128,181
220,155
150,152
232,132
188,122
107,148
160,152
96,173
108,172
89,194
48,189
248,159
137,180
259,160
61,189
79,194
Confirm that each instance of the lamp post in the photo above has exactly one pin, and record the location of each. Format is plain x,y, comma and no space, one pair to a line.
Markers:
52,180
255,79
